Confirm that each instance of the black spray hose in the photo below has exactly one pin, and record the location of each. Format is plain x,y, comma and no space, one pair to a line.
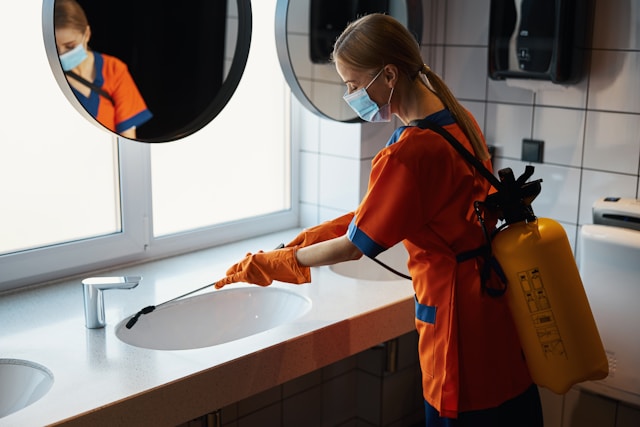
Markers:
396,272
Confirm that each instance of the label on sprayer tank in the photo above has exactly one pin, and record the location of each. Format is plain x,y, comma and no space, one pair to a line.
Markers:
541,313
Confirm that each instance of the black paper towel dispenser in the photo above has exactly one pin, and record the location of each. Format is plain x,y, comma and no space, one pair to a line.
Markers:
539,39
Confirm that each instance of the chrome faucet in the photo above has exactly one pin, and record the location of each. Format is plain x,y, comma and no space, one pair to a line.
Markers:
93,287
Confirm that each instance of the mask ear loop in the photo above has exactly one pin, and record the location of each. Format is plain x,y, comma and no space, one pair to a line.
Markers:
392,88
374,79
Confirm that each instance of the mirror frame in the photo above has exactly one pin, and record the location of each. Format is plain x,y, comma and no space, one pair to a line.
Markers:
228,88
414,18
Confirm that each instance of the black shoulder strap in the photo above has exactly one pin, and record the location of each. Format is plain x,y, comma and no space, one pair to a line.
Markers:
86,82
468,156
484,251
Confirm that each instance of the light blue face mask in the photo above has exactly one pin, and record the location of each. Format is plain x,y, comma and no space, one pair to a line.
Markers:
71,59
365,107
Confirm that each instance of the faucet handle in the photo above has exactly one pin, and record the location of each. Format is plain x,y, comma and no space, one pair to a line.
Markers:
92,289
118,282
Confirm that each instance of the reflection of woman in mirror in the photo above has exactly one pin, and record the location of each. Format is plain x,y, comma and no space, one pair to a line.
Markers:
102,83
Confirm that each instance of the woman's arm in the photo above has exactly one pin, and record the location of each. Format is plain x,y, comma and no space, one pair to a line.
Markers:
328,252
129,133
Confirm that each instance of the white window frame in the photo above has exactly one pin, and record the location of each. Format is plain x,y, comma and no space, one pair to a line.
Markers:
135,243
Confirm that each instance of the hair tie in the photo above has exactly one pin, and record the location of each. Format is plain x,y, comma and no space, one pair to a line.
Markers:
425,69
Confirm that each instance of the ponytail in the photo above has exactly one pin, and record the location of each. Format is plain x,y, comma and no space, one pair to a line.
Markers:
459,113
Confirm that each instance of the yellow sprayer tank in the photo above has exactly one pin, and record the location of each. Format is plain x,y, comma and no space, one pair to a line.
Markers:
549,305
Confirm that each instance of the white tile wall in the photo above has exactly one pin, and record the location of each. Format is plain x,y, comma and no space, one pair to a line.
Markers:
433,55
467,15
340,139
560,196
562,131
478,109
337,178
505,127
574,96
310,172
612,142
614,83
464,71
617,25
305,129
500,91
434,13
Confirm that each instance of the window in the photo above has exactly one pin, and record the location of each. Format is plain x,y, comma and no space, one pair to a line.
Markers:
75,199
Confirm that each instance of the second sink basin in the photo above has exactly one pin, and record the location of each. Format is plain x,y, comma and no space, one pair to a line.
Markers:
214,318
21,383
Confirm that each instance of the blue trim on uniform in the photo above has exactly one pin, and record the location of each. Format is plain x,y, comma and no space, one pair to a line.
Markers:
92,102
426,313
140,118
99,65
442,117
366,245
396,135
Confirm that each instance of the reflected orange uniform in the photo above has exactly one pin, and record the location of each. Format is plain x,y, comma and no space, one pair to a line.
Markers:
127,109
421,192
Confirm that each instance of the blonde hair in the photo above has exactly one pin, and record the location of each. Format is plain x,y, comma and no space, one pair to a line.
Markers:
375,40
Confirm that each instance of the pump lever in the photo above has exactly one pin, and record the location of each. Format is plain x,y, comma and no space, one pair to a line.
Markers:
528,172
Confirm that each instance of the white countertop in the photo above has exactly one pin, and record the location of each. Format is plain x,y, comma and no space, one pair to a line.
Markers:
99,380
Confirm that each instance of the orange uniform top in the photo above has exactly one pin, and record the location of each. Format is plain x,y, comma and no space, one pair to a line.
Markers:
128,108
421,192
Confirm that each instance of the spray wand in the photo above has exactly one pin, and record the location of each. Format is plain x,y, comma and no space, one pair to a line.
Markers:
150,308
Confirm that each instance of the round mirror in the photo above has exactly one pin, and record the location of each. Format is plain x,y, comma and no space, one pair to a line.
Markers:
147,70
305,33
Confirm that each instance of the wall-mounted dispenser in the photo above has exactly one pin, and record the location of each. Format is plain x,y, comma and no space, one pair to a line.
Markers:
538,39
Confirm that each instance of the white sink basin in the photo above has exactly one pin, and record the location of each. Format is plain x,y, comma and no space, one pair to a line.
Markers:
366,269
214,318
21,383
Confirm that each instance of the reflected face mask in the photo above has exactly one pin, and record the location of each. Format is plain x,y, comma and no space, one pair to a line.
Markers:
365,107
71,59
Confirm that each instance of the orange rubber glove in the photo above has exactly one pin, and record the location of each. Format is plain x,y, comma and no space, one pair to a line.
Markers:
326,231
263,268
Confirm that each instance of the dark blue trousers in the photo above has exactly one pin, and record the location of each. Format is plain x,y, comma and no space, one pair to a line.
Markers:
524,410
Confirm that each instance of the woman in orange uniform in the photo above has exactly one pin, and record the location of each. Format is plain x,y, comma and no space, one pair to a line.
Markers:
102,83
421,192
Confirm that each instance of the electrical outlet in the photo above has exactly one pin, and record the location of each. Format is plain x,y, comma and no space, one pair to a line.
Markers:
532,150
